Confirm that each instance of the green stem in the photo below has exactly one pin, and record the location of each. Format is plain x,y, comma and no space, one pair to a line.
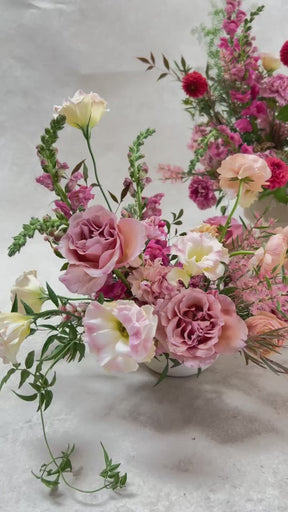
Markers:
57,465
122,278
227,224
238,253
87,138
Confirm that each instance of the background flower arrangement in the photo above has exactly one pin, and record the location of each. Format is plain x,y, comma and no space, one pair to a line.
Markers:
146,289
238,107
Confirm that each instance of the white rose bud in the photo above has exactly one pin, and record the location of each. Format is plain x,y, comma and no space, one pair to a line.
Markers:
82,110
28,289
14,328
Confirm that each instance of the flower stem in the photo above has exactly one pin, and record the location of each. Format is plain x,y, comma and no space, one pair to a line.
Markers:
122,278
238,253
87,138
227,224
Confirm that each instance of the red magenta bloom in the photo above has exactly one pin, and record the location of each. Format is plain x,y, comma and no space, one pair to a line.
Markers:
284,54
279,171
194,84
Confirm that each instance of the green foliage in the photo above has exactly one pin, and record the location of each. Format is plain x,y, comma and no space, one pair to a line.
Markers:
47,225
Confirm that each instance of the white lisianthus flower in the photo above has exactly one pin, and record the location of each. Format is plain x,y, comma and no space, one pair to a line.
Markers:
82,110
199,253
121,334
14,328
28,289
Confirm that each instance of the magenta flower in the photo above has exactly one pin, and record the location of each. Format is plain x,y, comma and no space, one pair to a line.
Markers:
201,191
80,197
46,180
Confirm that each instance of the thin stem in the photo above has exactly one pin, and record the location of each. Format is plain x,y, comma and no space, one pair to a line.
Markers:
238,253
87,138
122,278
57,465
227,224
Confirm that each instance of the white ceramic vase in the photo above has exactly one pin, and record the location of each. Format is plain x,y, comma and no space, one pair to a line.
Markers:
158,365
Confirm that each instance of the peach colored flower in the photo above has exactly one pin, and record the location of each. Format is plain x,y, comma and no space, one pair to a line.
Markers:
120,333
206,228
82,110
263,322
252,170
271,256
269,62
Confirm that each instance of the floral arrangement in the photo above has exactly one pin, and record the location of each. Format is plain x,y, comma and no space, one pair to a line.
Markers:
240,107
143,289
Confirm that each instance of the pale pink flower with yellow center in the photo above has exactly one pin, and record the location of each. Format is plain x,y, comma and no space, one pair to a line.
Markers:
271,256
28,289
251,170
121,334
199,253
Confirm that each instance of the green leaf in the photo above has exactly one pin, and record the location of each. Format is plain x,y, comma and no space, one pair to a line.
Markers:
85,172
26,398
165,62
113,197
77,167
64,266
163,75
52,295
7,377
163,374
143,59
29,361
48,398
14,308
25,374
283,114
152,58
28,310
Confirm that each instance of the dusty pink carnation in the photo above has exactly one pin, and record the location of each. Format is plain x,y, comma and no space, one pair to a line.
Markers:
276,86
195,327
95,244
149,283
201,191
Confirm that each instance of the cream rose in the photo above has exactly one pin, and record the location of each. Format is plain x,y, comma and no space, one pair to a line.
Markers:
82,110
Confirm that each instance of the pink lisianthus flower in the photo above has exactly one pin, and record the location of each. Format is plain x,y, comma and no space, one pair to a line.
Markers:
46,180
195,327
270,257
233,234
149,283
242,167
95,244
243,125
80,197
199,253
121,334
201,191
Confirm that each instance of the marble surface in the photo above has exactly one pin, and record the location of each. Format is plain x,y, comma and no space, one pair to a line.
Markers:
214,443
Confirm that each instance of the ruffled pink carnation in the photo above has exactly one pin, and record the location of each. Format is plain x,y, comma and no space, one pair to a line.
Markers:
157,249
201,191
276,86
149,283
279,170
195,327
